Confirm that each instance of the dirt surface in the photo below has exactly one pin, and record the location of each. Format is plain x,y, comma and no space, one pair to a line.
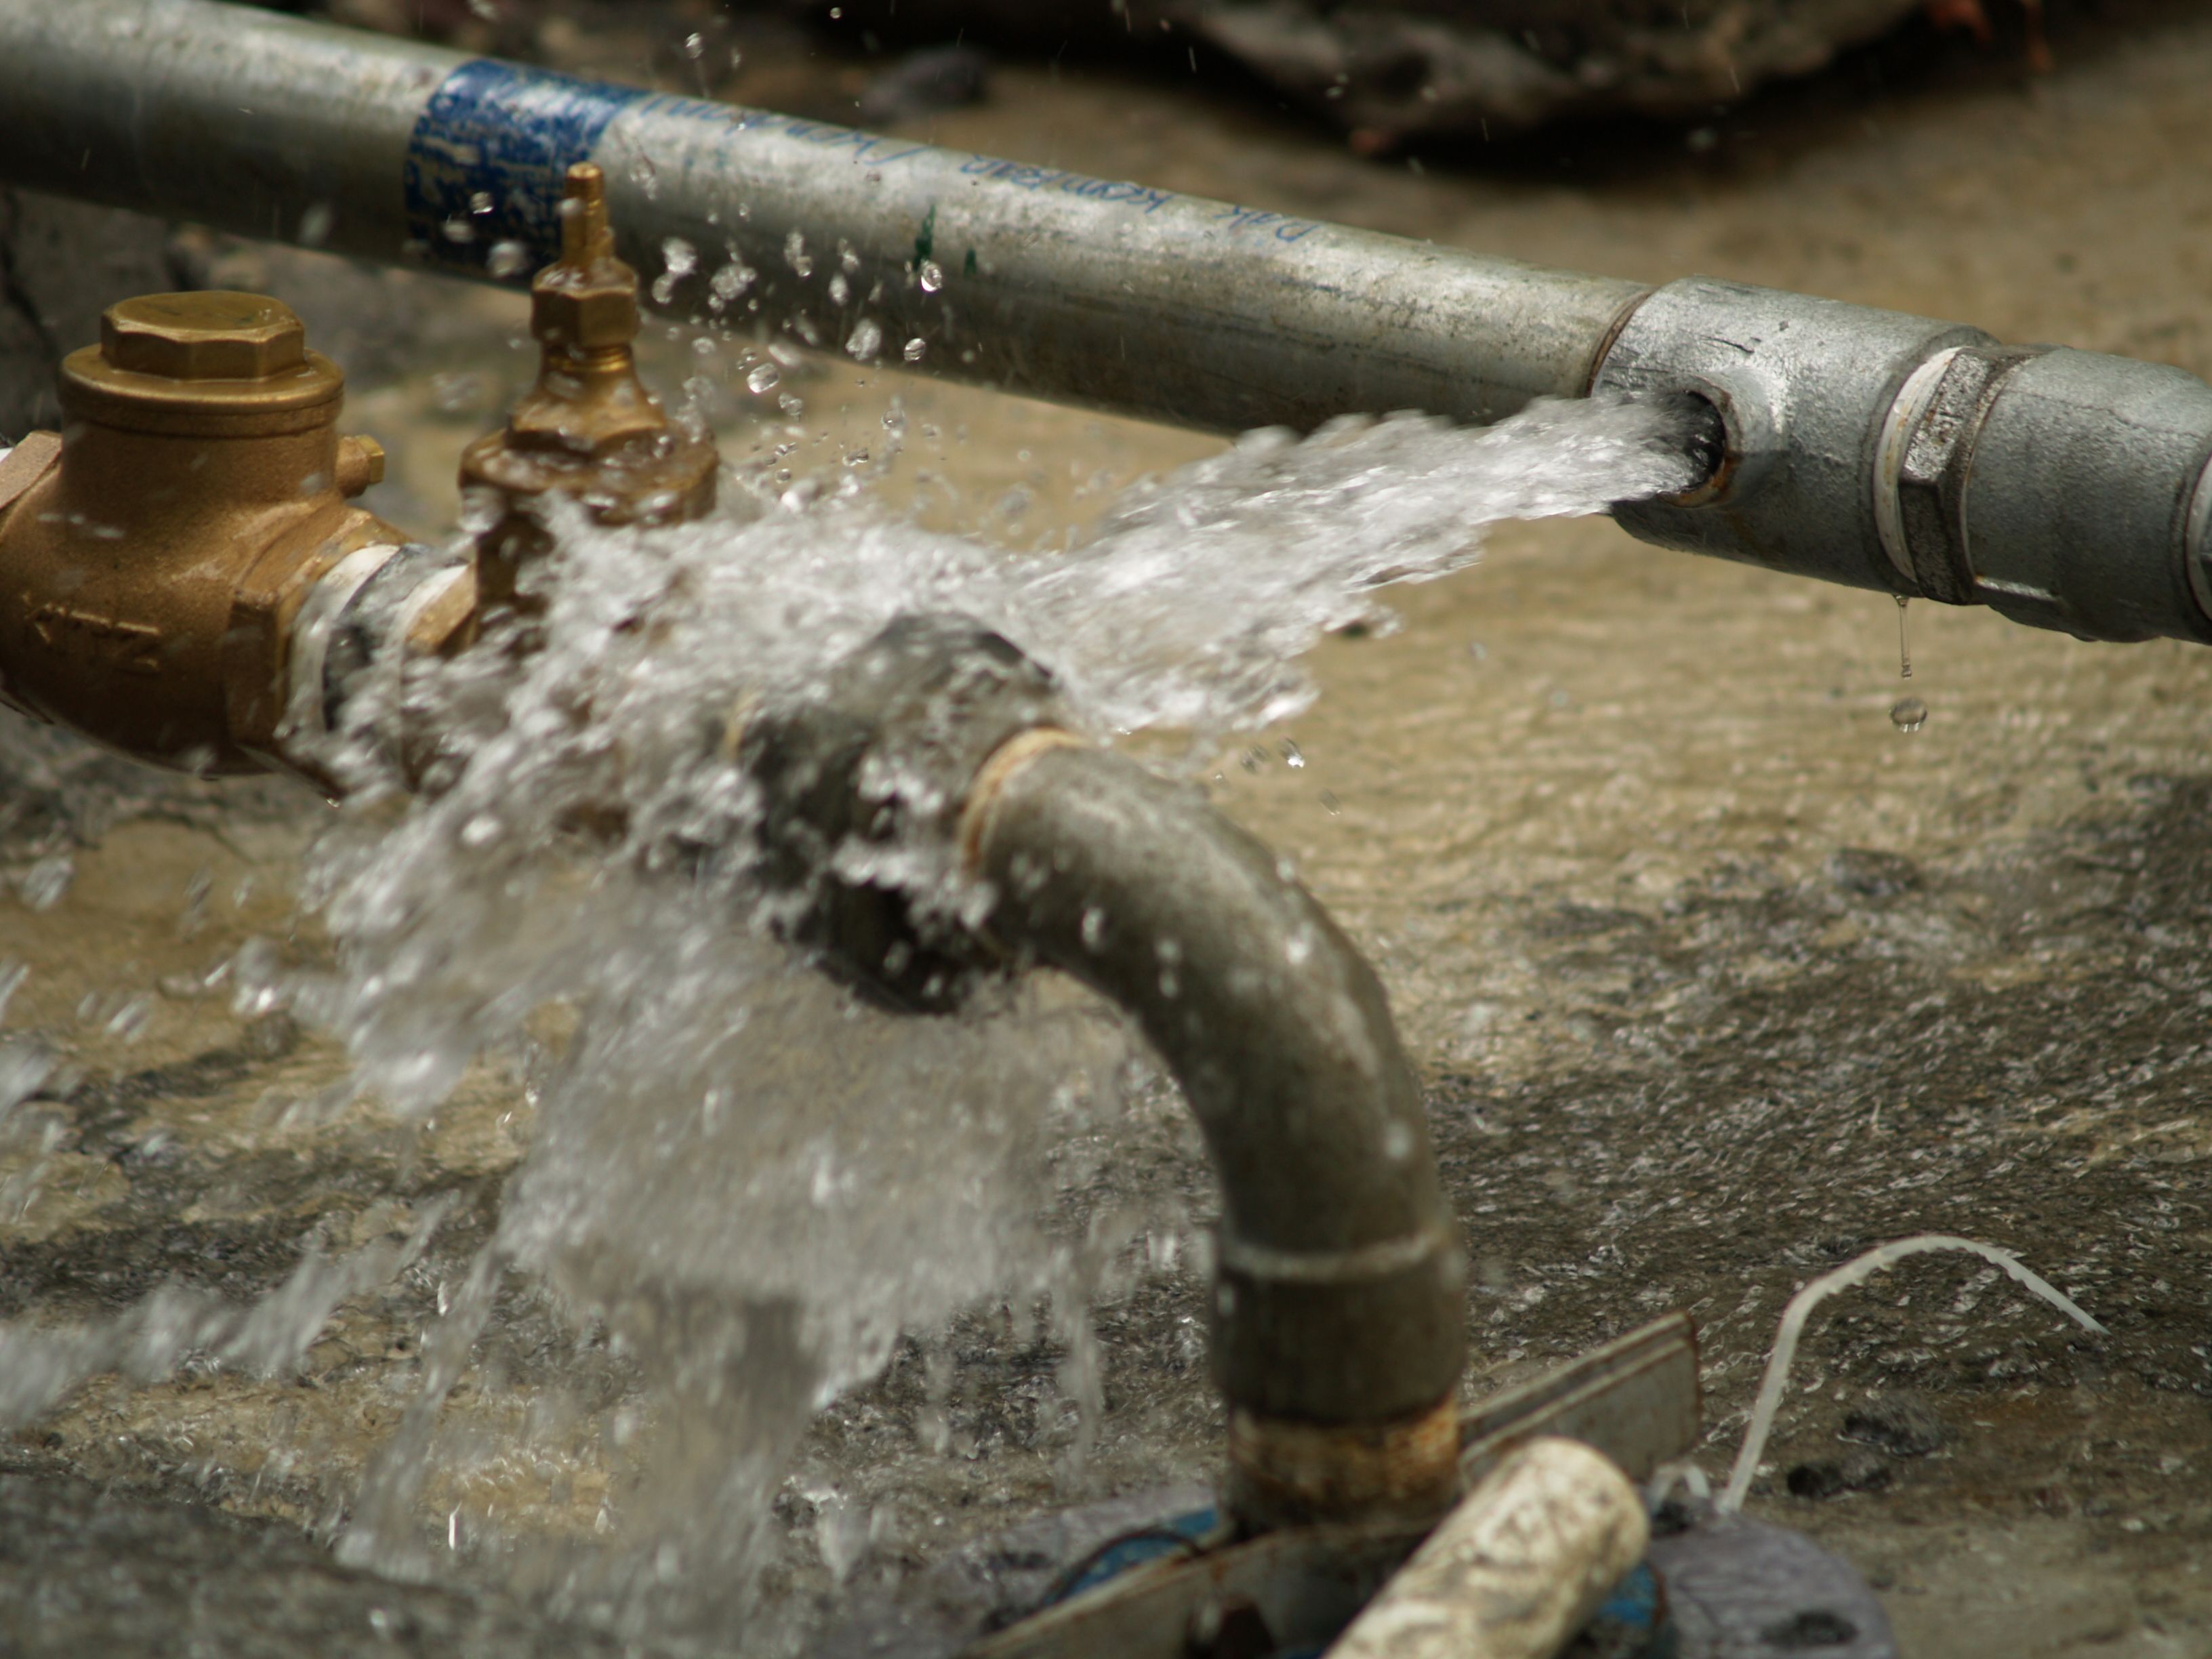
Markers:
1713,976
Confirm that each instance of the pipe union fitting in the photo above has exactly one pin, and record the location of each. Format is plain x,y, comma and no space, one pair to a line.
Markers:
1922,460
1802,387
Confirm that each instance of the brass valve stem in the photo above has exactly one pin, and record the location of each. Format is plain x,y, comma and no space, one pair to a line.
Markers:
588,430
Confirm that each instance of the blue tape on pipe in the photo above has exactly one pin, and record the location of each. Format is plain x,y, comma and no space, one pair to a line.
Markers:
485,164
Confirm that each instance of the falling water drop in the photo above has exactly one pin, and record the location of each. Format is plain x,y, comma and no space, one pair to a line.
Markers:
1904,653
43,884
915,348
507,260
867,339
1908,714
933,277
762,379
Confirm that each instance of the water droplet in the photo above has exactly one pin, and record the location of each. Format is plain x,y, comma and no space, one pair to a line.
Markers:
867,339
645,177
933,277
1908,714
732,279
1903,654
43,884
840,289
915,348
1094,926
458,392
1293,756
796,256
131,1019
679,257
695,47
507,260
762,379
459,231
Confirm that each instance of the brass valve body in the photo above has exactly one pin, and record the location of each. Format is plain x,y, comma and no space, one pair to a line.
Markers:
588,429
151,571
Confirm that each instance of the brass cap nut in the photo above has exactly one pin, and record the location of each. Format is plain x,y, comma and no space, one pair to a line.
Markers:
212,335
583,316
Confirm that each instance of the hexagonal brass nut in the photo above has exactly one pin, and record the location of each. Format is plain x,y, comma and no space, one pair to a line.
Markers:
583,316
212,335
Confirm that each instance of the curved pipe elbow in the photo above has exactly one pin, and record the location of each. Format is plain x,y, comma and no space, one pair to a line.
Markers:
1338,1313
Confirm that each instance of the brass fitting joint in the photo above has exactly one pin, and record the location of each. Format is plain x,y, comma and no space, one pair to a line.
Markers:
155,556
588,430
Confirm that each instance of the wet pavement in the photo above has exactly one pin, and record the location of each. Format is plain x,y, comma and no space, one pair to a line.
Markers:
1712,973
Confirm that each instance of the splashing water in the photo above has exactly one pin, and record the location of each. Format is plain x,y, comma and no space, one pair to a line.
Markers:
751,1180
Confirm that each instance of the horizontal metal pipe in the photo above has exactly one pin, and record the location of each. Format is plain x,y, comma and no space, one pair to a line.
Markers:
1863,446
1095,291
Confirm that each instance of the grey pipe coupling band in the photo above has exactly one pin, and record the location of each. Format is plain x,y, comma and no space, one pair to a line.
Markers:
2077,496
2197,546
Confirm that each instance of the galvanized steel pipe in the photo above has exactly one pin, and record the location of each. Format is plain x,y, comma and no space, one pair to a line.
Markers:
2067,488
1096,290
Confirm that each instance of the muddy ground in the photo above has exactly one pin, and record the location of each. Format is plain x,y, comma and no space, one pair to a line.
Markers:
1713,976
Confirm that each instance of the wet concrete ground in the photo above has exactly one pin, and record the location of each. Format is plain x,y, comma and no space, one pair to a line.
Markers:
1712,975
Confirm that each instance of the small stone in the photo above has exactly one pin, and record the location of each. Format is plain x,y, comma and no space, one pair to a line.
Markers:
271,1036
1902,1424
1858,1471
1809,1631
1873,875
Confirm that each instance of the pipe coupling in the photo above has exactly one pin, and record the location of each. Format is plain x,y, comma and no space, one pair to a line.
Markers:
1878,450
883,758
2078,499
1801,386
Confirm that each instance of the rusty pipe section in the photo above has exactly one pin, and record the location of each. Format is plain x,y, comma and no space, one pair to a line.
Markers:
183,576
1337,1317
